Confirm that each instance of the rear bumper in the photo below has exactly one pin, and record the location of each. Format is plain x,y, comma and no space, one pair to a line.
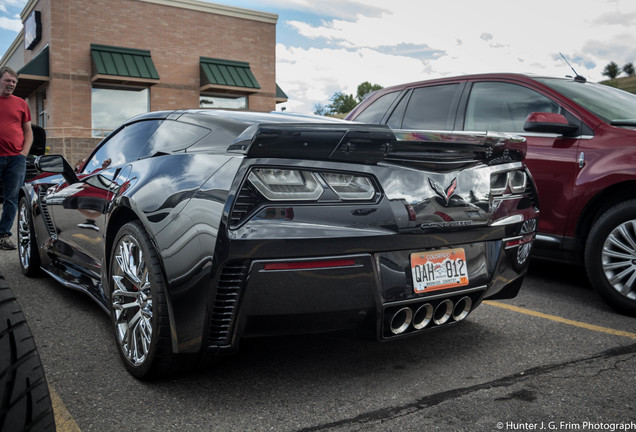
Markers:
371,292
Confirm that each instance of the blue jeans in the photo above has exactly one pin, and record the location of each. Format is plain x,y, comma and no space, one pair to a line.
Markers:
12,172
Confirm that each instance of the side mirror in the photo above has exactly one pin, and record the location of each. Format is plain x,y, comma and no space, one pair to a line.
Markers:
56,164
549,123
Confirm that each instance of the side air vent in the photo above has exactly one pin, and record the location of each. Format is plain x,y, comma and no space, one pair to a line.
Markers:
231,282
246,201
45,213
531,194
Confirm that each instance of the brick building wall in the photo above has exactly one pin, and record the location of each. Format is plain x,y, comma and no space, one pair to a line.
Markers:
176,36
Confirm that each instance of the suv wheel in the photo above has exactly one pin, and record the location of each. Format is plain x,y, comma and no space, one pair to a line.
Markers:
610,256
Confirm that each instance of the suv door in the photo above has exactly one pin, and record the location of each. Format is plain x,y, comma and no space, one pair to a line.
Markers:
552,159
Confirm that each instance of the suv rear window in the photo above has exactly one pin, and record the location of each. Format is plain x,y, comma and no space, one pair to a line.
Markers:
428,108
375,111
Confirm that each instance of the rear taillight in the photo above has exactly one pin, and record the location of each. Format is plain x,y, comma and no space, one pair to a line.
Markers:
278,184
285,185
508,182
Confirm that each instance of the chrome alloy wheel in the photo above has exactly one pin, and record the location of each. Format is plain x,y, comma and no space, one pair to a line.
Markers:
523,253
24,236
618,258
132,300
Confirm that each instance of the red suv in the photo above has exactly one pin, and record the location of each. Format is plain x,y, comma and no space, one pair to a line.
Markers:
581,151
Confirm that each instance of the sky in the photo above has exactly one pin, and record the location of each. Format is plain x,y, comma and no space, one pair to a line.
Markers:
329,46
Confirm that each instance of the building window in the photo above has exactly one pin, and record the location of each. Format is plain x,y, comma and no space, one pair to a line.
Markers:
223,102
41,108
113,106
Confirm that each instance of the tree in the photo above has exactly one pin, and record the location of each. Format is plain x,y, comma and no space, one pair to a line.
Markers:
365,89
342,103
628,68
611,70
320,109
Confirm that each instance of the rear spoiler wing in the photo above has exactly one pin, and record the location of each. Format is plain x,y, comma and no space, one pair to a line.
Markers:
370,144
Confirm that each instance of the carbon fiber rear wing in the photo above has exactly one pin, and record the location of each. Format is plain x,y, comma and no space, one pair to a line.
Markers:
371,144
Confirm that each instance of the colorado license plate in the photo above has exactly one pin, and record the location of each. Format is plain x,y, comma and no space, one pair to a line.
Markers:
438,270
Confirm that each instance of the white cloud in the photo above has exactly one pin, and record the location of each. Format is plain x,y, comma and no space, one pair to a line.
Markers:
452,38
310,76
8,7
13,24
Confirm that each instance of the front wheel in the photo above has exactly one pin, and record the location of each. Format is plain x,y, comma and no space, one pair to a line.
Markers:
610,256
138,304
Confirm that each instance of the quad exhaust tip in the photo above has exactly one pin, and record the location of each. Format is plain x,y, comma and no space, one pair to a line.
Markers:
462,308
421,316
401,320
443,312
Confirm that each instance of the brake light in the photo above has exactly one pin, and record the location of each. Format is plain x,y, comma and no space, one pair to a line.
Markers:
518,241
305,265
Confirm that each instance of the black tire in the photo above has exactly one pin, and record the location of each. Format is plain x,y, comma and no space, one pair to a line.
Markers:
610,256
25,403
136,280
27,245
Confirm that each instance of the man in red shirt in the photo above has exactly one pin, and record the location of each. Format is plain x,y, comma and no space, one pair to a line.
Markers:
16,138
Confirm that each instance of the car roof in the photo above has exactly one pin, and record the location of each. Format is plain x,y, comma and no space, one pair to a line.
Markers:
519,77
213,116
499,75
226,126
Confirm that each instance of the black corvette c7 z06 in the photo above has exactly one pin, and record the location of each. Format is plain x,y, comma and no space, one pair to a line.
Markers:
194,229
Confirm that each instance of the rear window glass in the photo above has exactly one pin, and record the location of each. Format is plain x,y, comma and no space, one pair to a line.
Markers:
429,108
124,146
174,136
374,112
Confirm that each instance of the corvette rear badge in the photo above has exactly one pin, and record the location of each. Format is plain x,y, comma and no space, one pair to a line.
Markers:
445,195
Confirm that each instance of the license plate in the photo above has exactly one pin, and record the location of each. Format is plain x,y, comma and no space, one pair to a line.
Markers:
437,270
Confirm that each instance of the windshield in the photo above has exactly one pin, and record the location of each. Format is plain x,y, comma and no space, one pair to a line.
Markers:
608,103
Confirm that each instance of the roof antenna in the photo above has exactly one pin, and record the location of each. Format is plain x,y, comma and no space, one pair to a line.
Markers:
577,77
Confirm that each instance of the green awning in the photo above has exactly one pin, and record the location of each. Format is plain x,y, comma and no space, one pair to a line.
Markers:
227,76
117,65
280,95
33,74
